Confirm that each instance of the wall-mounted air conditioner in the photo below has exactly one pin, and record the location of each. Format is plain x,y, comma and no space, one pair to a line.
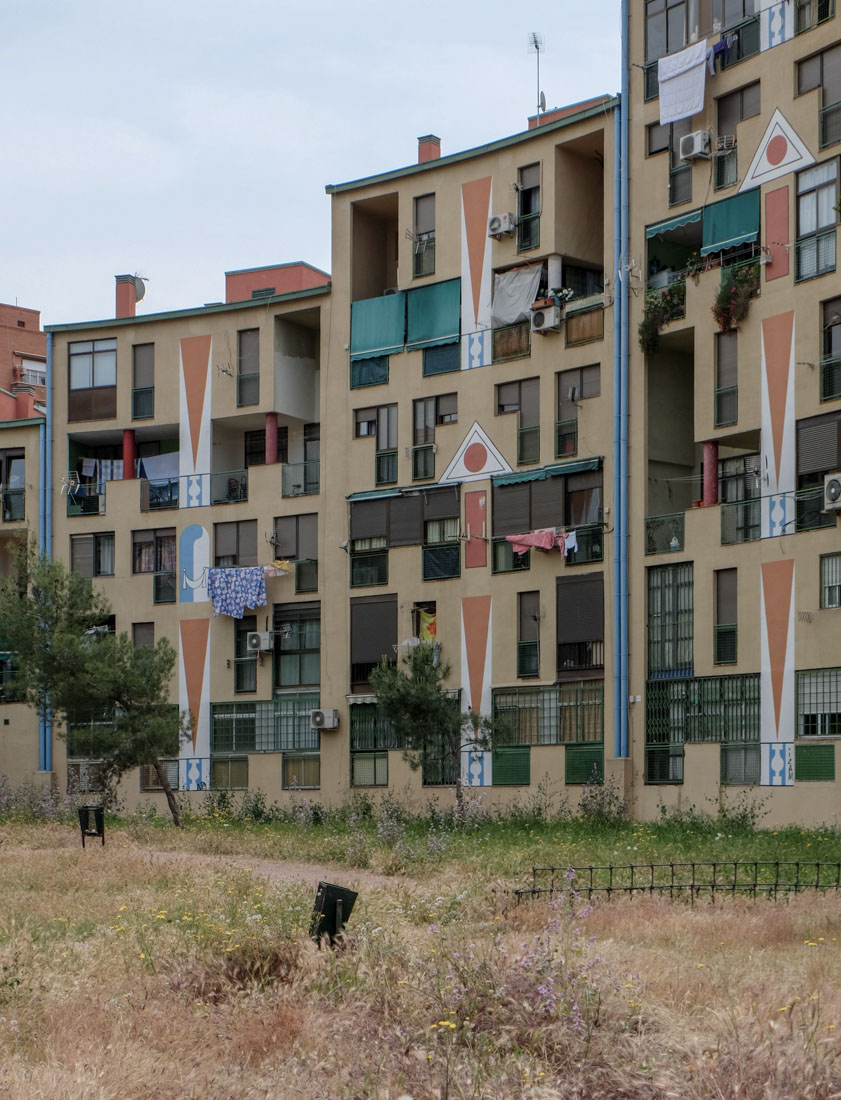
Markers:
832,492
694,145
546,320
500,224
324,719
258,642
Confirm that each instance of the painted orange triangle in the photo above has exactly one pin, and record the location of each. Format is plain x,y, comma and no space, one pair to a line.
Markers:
476,616
476,197
777,586
195,358
776,337
194,633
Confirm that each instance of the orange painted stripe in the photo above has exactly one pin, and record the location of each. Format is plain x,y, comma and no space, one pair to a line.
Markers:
476,616
776,233
194,634
475,517
776,338
777,585
476,197
195,356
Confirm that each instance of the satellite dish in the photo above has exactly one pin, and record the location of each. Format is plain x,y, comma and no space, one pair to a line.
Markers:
139,287
542,102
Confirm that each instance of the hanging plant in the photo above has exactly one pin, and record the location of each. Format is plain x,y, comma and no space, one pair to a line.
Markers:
732,299
660,306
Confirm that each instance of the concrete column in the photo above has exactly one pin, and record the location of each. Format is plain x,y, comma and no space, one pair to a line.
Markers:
271,438
128,454
710,473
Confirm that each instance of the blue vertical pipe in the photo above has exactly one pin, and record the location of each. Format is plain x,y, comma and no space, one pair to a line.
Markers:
624,355
48,523
42,523
617,415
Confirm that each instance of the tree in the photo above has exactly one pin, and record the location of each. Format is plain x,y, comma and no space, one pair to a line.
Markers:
70,666
428,718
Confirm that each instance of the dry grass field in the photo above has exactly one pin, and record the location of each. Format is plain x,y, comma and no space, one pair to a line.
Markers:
174,964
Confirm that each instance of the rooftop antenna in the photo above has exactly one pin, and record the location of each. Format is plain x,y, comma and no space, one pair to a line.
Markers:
535,46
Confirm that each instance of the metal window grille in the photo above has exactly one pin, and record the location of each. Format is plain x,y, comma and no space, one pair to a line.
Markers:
746,37
423,260
819,702
590,545
371,730
831,580
663,764
831,378
670,618
504,560
369,769
297,649
143,403
441,562
740,765
511,341
367,569
651,82
528,659
579,655
149,780
726,168
442,359
830,125
528,445
703,708
13,504
423,462
726,406
528,231
229,486
726,646
566,438
815,255
300,479
439,766
583,764
809,13
740,521
567,713
511,767
385,471
372,371
814,763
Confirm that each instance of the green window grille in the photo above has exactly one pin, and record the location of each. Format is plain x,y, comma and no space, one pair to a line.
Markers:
583,764
740,765
663,764
229,773
568,713
528,445
831,378
442,359
423,260
590,545
726,168
808,13
566,438
233,727
306,575
369,769
528,659
275,725
740,521
511,341
703,708
829,120
528,231
814,763
680,184
372,371
726,644
746,37
504,560
439,766
651,82
670,619
423,462
665,534
809,514
441,562
143,403
819,702
13,504
370,730
385,467
511,767
368,569
814,255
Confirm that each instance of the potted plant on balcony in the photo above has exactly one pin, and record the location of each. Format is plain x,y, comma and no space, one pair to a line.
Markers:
660,306
732,300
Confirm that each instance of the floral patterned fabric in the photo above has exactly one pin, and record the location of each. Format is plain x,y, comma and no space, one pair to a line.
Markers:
232,590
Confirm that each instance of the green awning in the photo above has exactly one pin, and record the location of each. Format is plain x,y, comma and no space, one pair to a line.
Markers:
434,314
731,222
672,223
374,494
558,470
378,326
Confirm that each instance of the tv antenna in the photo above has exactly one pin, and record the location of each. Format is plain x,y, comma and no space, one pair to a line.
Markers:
535,46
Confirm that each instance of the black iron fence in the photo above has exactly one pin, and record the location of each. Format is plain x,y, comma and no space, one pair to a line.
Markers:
746,878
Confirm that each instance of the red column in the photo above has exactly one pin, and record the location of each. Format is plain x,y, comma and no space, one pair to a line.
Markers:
271,438
128,454
710,473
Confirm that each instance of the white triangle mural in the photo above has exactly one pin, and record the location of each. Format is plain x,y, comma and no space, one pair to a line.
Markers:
781,151
476,459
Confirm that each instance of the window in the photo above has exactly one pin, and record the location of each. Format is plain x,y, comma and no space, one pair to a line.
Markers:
369,769
254,448
823,71
427,414
236,544
371,736
13,484
573,386
808,13
385,460
143,635
725,648
528,634
296,537
817,196
665,27
736,107
229,773
423,262
364,422
248,367
831,580
92,555
297,630
726,378
528,207
547,500
819,703
818,454
373,636
154,552
142,381
579,626
301,771
670,619
505,560
659,138
92,379
245,661
441,359
680,171
523,397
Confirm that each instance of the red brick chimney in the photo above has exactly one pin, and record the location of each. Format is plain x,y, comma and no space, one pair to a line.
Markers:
429,148
126,296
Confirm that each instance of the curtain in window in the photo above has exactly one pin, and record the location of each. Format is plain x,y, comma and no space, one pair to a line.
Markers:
105,555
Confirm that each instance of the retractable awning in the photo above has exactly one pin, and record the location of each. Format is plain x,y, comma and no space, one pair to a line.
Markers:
558,470
731,222
673,223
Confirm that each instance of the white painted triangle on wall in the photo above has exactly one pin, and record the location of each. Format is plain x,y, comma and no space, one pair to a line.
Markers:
476,459
779,152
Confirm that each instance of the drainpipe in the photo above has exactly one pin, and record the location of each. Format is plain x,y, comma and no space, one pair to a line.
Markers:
48,524
42,523
617,393
624,108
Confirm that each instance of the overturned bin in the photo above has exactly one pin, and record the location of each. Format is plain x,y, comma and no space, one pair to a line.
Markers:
92,822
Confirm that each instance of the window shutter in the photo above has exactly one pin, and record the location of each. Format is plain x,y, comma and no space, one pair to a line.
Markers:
308,537
247,556
729,110
286,537
405,521
81,554
369,519
580,608
508,396
249,351
591,380
144,365
529,616
511,509
817,445
547,503
725,596
447,405
425,214
529,402
442,503
373,629
726,355
225,538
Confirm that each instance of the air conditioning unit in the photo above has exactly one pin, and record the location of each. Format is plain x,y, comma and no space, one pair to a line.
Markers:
546,320
324,719
695,145
500,224
832,493
258,642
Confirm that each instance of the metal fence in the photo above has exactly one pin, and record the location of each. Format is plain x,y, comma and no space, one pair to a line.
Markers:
688,881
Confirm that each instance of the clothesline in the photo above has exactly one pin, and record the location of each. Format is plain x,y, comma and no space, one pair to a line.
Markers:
546,538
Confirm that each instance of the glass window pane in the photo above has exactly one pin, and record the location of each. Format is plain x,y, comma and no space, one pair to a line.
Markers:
81,372
105,368
808,214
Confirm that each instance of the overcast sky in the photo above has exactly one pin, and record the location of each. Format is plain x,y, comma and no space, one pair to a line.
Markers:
180,139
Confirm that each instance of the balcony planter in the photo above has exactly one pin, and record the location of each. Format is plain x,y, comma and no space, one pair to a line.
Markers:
732,299
661,306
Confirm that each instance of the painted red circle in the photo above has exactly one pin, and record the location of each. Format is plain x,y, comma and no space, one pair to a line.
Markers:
777,149
475,457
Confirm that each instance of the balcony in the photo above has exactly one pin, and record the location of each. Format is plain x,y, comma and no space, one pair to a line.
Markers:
229,487
831,378
301,479
590,545
726,406
579,656
143,403
746,37
809,514
13,504
809,13
86,500
165,586
814,256
441,562
665,534
566,438
385,468
528,445
740,521
369,569
511,341
528,659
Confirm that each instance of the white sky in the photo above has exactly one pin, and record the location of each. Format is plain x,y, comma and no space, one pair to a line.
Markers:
186,138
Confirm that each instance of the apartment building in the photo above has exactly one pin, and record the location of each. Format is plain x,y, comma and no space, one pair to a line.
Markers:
735,558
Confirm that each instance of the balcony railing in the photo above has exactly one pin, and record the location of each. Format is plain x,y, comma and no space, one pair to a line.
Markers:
165,586
367,569
746,37
726,406
577,656
511,341
248,389
740,521
160,494
423,462
809,511
441,562
229,487
566,438
831,378
300,479
385,468
143,403
726,168
590,545
13,504
504,560
86,500
528,444
726,636
528,659
665,534
829,124
814,256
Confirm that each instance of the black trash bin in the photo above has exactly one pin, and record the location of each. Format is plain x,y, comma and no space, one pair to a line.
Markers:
333,906
92,822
